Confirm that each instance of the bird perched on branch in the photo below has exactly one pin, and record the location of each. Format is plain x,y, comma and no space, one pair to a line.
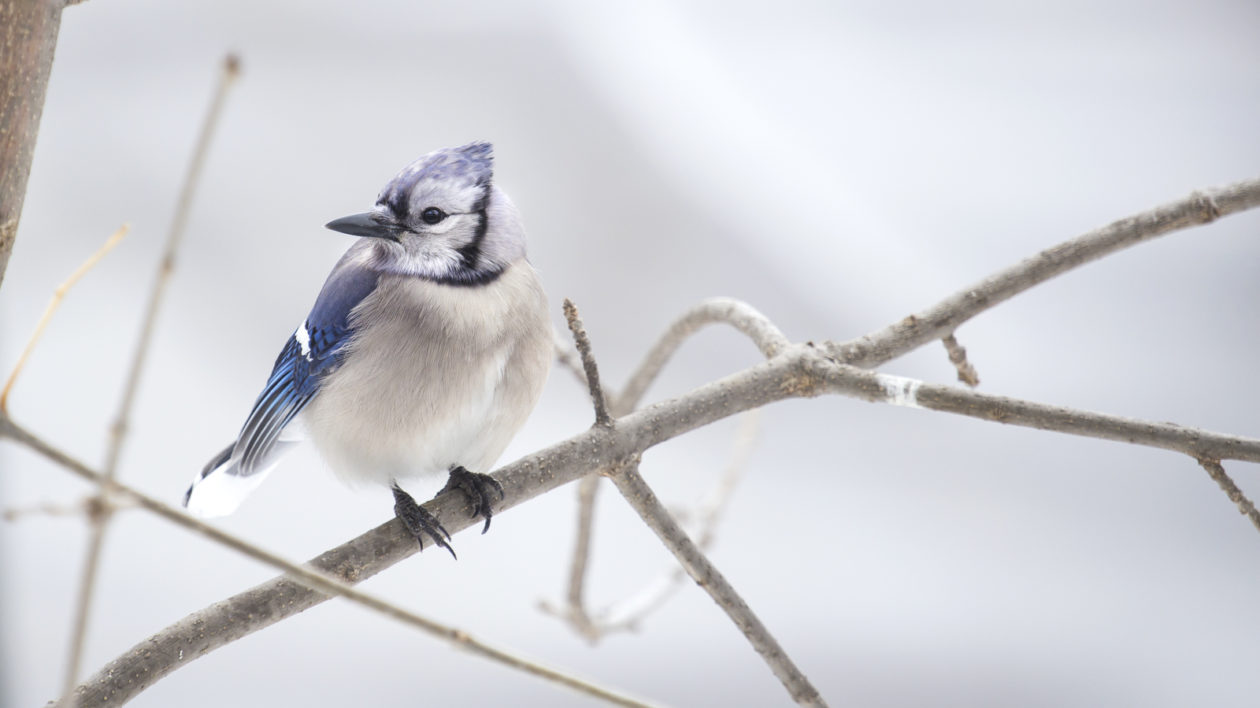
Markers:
425,352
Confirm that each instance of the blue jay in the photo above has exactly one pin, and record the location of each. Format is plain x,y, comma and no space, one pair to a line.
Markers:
426,350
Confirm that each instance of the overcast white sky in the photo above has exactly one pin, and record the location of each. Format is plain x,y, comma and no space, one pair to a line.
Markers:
837,165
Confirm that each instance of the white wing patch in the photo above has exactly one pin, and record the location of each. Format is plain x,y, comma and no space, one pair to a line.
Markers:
303,339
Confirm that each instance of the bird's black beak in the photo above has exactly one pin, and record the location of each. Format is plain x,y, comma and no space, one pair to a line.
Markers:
363,225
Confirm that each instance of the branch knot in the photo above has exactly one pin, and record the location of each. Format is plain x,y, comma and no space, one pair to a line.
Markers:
1207,206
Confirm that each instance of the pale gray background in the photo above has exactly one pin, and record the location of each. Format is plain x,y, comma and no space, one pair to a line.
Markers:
838,165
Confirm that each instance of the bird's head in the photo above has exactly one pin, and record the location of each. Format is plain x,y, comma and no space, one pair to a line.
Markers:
441,218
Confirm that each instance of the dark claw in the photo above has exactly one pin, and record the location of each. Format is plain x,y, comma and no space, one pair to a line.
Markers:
420,522
477,488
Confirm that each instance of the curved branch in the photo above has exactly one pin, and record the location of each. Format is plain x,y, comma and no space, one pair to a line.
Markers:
793,371
800,371
639,495
118,430
944,317
354,561
328,574
740,315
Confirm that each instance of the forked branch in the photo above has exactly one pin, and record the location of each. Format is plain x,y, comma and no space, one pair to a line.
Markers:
795,370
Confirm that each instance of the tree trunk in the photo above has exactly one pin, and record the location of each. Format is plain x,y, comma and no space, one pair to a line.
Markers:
28,37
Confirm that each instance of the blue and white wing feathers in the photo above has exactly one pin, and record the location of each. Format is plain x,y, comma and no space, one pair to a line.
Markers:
311,353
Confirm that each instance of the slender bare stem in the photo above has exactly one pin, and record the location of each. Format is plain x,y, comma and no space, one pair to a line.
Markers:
1245,505
567,357
958,357
743,317
87,506
946,316
633,487
588,363
739,315
636,491
794,371
898,390
329,575
575,611
627,614
58,296
800,371
118,431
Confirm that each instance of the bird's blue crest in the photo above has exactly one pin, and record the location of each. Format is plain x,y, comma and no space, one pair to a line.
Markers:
460,167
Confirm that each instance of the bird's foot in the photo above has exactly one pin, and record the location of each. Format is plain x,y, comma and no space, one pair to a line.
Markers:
478,488
420,522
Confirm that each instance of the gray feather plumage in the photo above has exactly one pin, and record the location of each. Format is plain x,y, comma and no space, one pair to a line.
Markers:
426,349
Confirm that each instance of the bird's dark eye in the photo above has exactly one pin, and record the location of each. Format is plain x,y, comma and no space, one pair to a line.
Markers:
432,215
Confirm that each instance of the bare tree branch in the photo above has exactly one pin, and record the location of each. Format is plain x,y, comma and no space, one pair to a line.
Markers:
636,491
739,315
641,498
901,391
626,614
946,316
801,370
329,575
118,431
28,39
958,357
588,363
573,610
1245,505
567,357
86,507
58,296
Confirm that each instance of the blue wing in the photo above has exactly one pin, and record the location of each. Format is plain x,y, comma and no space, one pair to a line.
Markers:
311,353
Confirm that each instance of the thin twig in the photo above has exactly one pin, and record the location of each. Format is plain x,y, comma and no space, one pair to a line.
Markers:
588,487
575,611
166,266
1200,207
328,575
739,315
902,391
1245,505
800,371
958,357
567,356
58,295
627,614
633,487
743,317
118,431
588,363
88,506
636,491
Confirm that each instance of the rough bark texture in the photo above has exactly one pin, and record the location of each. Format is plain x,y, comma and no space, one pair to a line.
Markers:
28,36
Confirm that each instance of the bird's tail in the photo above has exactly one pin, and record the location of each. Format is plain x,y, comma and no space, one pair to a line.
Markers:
219,488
